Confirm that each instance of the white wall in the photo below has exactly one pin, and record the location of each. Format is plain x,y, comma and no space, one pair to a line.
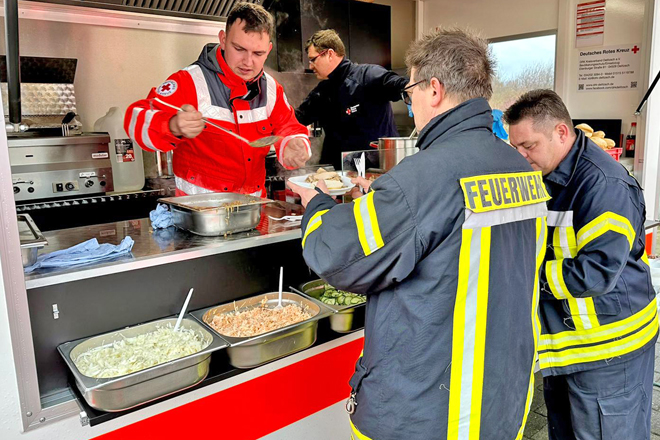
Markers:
493,18
624,24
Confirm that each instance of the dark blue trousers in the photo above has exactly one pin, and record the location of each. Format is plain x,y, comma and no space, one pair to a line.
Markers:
608,403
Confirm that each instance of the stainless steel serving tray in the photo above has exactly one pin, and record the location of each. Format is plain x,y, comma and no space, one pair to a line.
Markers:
248,352
216,214
31,239
128,391
342,320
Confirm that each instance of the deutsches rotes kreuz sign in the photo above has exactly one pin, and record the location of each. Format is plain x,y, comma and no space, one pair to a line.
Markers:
609,68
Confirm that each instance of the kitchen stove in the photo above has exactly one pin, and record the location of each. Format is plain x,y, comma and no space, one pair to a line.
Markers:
59,167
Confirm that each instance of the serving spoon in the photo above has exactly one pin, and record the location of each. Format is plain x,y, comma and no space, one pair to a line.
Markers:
259,143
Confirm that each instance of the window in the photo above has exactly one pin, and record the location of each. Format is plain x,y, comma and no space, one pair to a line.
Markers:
523,64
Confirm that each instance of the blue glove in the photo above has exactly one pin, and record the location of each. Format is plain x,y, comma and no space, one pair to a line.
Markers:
498,125
161,217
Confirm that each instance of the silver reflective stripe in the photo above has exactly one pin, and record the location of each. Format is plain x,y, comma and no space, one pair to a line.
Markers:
219,114
271,94
146,140
584,313
469,337
202,89
204,104
189,188
133,124
254,115
366,224
563,242
474,220
560,218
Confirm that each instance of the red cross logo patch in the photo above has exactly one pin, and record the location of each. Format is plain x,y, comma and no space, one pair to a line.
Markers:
635,49
167,88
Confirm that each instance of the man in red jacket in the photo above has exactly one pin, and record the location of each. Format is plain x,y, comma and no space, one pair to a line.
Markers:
228,86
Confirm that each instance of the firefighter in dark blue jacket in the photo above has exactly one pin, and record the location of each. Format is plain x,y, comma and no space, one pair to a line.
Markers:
447,247
598,310
352,102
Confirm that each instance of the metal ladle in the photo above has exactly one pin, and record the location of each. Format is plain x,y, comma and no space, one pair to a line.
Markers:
259,143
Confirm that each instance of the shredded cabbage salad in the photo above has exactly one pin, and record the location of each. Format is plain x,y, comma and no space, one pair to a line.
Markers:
136,353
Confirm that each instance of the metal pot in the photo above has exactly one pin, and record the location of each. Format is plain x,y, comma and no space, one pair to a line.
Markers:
393,149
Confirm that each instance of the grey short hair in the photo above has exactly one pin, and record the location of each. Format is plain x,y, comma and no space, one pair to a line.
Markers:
459,59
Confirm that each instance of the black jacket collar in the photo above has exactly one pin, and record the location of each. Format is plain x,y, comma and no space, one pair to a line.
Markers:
563,174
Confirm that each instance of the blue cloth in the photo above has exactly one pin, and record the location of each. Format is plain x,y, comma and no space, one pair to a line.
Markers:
410,112
89,251
498,125
161,217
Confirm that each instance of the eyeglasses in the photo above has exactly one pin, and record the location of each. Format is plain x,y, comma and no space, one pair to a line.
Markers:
405,95
312,60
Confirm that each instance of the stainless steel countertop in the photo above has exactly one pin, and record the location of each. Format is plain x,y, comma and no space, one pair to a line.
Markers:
159,246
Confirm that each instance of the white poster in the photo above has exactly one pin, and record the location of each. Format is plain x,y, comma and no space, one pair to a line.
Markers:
609,68
590,23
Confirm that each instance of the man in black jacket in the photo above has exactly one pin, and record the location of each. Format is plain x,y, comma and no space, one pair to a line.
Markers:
352,102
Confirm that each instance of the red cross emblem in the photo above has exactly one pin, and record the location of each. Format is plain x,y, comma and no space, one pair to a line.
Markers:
348,111
167,88
635,49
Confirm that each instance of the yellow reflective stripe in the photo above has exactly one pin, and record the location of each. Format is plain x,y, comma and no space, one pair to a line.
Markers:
618,347
541,237
366,222
555,277
356,434
603,333
556,244
458,336
480,335
608,221
591,316
645,258
582,309
469,334
314,224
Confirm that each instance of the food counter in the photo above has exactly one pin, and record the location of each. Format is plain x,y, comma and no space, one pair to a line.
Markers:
151,283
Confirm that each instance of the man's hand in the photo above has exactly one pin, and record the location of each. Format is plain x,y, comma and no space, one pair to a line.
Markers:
307,194
295,153
361,183
187,123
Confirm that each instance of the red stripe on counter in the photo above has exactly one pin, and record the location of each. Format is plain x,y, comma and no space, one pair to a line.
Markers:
259,406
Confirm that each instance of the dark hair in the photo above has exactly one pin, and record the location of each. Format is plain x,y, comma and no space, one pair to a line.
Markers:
460,59
255,17
541,106
326,39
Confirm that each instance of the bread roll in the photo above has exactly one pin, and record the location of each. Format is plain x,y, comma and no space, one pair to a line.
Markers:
599,134
587,134
600,142
334,184
585,127
610,143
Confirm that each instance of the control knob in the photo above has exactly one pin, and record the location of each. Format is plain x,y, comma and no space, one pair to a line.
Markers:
89,183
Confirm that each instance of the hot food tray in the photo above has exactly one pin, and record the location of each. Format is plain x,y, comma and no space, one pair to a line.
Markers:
130,390
248,352
216,213
343,318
